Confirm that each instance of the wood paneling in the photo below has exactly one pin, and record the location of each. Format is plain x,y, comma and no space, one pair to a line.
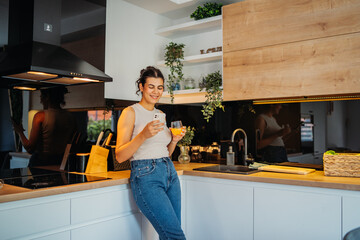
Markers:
259,23
322,66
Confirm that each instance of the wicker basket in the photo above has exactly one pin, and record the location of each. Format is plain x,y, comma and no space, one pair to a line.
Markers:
342,164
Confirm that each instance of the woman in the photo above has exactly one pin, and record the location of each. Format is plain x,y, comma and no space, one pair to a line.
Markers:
51,129
149,144
270,141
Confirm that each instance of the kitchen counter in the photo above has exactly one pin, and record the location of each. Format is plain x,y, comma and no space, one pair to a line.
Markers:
317,179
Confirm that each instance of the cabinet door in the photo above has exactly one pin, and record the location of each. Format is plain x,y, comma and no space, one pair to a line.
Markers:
282,49
351,213
32,219
218,211
57,236
287,214
128,227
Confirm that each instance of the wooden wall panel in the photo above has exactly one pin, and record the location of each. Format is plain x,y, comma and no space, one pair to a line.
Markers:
322,66
258,23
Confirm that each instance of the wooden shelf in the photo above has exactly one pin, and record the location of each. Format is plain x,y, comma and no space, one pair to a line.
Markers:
197,59
184,96
190,28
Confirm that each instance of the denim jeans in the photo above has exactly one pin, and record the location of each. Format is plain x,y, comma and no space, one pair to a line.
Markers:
275,154
156,189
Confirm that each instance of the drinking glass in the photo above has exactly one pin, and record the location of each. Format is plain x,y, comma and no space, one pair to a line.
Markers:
176,127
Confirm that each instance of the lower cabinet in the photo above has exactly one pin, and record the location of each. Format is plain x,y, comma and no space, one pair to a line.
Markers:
351,213
287,214
56,236
218,210
128,227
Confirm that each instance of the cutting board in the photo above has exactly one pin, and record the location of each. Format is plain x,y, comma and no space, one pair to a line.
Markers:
284,169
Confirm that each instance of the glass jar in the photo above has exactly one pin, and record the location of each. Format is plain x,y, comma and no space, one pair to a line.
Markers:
189,83
184,155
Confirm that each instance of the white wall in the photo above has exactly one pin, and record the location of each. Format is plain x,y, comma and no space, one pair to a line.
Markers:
131,45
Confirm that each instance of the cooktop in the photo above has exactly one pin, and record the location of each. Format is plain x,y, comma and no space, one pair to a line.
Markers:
33,178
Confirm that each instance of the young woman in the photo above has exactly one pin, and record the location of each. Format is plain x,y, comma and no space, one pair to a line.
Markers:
148,144
271,135
51,130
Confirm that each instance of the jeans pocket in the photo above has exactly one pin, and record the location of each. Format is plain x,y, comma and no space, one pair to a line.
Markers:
145,170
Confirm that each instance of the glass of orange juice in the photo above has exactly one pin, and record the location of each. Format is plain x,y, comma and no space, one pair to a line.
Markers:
176,127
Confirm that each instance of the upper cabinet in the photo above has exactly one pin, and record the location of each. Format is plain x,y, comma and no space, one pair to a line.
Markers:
281,49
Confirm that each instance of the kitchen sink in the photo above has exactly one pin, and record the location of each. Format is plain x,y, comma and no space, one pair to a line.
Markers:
238,169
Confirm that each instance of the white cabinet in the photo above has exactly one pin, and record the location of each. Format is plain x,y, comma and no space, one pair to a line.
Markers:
128,227
285,214
351,213
218,210
57,236
31,218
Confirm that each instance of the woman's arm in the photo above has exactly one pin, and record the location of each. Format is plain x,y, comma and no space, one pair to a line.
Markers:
125,147
30,144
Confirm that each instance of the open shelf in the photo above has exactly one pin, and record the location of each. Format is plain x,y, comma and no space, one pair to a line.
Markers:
196,59
193,27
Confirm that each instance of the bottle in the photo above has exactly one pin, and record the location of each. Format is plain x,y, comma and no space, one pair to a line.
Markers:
230,157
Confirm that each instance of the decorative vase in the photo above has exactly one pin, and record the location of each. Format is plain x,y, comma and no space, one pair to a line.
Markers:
184,155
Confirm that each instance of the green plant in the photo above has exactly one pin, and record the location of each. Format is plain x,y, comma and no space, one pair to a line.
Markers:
212,83
189,135
173,55
208,10
95,127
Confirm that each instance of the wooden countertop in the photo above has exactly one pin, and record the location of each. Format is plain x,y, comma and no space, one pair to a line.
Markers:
317,179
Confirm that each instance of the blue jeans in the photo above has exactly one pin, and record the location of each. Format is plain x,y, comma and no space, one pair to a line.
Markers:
156,189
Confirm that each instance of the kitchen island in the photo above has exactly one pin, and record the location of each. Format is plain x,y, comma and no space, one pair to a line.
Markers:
263,205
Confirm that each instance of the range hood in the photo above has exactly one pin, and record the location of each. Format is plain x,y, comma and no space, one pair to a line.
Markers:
34,57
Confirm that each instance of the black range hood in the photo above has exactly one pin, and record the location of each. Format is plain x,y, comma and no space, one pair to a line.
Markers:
33,57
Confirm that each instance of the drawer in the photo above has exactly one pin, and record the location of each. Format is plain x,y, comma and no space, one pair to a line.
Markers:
101,205
23,221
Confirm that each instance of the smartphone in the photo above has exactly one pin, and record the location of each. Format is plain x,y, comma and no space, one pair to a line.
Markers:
159,116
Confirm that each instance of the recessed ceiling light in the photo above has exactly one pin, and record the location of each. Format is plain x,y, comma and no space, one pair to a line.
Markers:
181,1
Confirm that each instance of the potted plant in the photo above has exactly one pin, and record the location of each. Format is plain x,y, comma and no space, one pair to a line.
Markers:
184,144
207,10
173,55
212,83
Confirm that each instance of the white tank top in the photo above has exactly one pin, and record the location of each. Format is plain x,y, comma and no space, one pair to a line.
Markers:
272,127
154,147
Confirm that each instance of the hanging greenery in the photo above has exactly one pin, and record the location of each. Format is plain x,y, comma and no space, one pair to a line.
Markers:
207,10
173,55
212,83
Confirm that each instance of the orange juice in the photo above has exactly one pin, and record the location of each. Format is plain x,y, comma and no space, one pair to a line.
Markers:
176,131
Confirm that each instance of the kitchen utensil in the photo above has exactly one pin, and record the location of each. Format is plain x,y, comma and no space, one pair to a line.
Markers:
81,161
97,160
99,138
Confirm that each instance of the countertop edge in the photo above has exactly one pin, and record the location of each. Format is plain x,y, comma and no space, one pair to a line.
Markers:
249,178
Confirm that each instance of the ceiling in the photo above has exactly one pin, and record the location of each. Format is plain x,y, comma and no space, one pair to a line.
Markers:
172,10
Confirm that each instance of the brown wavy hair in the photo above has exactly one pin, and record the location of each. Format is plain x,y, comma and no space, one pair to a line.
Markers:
149,71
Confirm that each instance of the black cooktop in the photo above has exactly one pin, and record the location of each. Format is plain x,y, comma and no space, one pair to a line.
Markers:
34,178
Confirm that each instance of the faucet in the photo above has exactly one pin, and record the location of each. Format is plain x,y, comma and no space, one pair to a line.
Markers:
246,158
